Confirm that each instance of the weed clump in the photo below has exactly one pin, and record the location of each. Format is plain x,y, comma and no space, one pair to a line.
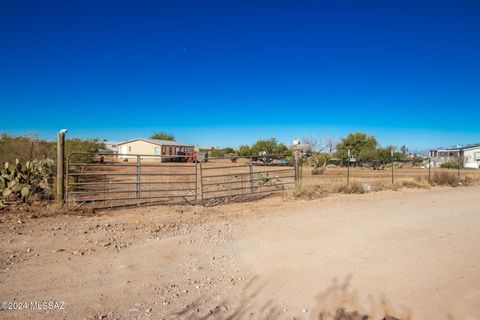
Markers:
417,183
445,179
353,187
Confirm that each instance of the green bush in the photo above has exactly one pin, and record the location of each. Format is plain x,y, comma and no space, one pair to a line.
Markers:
270,146
83,146
244,151
218,153
162,136
451,165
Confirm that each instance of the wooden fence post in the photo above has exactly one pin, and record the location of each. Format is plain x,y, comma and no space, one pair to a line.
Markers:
296,155
61,166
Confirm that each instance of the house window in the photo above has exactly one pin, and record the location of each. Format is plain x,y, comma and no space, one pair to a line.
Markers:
129,149
157,151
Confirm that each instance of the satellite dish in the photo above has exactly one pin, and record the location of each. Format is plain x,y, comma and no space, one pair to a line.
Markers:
296,142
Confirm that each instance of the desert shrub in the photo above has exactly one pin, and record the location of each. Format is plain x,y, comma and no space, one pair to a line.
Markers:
417,161
244,151
318,161
29,147
84,146
312,191
24,148
468,181
33,180
353,187
451,165
445,179
220,153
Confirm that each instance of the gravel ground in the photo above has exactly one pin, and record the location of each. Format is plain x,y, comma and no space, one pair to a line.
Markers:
411,252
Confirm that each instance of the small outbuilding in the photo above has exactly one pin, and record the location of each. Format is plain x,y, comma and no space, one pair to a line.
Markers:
151,149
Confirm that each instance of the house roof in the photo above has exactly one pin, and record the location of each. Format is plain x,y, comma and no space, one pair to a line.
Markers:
160,142
466,147
471,146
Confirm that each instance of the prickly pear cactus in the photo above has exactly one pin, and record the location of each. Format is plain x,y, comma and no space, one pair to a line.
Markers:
23,182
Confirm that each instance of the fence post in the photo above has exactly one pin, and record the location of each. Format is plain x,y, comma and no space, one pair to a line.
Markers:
251,174
61,166
196,180
429,168
391,153
296,157
348,167
138,180
201,182
458,169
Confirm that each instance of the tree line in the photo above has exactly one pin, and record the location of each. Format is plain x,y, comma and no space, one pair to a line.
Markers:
30,147
364,147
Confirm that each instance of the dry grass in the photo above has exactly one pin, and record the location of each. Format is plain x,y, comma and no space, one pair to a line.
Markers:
445,179
314,189
354,187
416,183
452,179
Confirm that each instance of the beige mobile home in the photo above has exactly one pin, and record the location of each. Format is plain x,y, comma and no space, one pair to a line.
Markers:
150,149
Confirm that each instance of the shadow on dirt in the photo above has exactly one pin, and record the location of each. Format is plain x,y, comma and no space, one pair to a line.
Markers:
336,302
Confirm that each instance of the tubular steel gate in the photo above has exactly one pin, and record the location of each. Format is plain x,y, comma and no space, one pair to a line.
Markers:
240,176
107,180
103,180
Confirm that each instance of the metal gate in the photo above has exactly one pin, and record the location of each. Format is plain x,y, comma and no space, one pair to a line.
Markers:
106,180
240,176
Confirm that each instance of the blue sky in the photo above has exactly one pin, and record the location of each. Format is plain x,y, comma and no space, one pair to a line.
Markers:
229,72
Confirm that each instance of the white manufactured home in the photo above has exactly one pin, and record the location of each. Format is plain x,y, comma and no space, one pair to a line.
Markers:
151,149
469,155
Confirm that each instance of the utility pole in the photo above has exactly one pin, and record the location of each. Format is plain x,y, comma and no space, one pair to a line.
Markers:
61,166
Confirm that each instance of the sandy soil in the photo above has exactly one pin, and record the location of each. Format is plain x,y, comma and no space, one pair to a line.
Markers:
413,252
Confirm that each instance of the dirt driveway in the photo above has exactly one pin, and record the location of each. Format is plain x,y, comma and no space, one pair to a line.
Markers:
413,252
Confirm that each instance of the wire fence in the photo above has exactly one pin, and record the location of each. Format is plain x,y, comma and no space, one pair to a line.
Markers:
377,174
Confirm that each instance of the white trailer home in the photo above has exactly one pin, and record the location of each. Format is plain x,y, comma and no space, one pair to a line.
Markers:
469,155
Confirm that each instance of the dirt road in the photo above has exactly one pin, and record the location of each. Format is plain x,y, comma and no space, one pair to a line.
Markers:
414,251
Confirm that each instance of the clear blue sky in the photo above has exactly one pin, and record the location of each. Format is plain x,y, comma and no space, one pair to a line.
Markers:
228,72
